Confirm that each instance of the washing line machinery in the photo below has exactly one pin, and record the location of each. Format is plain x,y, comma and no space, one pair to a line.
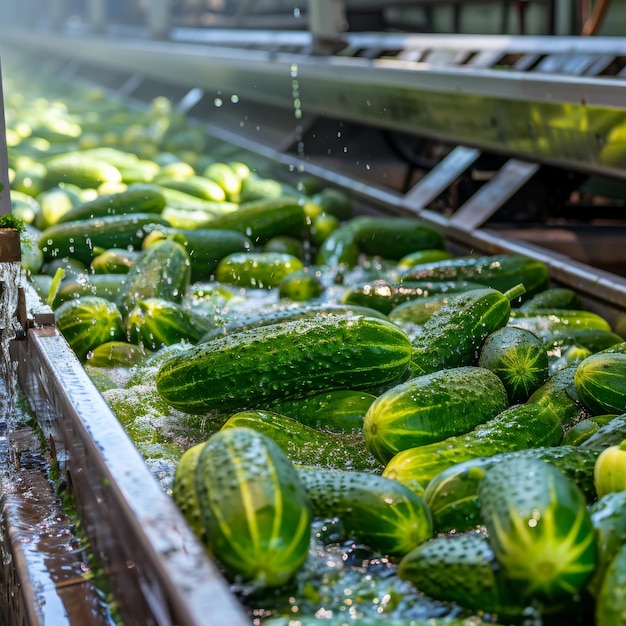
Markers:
466,132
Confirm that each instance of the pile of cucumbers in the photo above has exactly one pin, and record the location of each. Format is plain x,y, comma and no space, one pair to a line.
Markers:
308,381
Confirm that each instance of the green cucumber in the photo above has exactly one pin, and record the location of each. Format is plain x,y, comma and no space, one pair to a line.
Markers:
132,200
559,395
117,354
101,285
162,270
278,313
601,382
608,434
113,261
454,334
519,358
262,270
305,445
78,239
342,410
301,286
198,186
501,272
385,296
157,322
519,427
551,324
553,298
81,170
609,522
263,219
89,322
580,432
417,311
567,356
462,569
251,368
382,513
611,600
539,528
377,236
591,338
423,256
432,407
255,517
452,496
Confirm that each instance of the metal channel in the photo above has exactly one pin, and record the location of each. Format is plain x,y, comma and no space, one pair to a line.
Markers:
159,572
567,121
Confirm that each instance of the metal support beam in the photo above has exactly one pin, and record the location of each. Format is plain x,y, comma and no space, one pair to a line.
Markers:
159,18
327,23
97,16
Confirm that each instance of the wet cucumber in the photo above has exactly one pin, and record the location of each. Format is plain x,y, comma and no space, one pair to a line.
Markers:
261,270
251,368
500,272
305,445
586,428
78,239
432,407
601,382
452,496
84,171
454,334
132,200
384,514
245,499
517,428
611,602
539,528
553,298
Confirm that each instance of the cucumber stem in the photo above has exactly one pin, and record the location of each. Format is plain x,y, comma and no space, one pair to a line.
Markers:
515,292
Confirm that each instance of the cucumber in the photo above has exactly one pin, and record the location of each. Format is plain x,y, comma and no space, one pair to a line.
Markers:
568,356
453,335
342,410
452,496
462,569
162,270
609,522
517,428
601,383
251,368
553,298
262,270
133,200
419,257
377,236
559,395
610,469
381,513
301,286
611,601
113,261
157,322
54,203
117,354
580,432
305,445
551,324
263,219
254,511
592,339
225,177
89,322
278,313
385,296
78,239
81,170
608,434
539,528
519,358
417,311
501,272
101,285
198,186
430,408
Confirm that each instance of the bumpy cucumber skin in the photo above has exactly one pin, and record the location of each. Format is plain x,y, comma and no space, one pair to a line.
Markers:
462,569
255,513
452,496
161,271
518,358
539,528
553,298
453,335
305,445
156,322
132,200
611,433
432,407
517,428
501,272
582,431
384,514
601,383
184,490
77,239
384,296
89,322
251,368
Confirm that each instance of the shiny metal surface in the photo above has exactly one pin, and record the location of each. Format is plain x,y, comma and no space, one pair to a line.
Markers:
554,118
